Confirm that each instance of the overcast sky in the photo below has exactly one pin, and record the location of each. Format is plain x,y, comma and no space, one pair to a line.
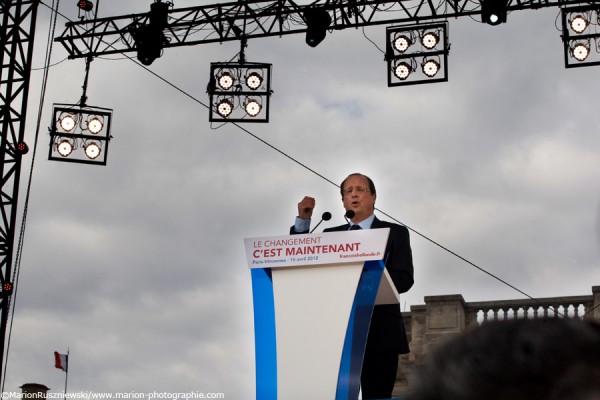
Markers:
138,267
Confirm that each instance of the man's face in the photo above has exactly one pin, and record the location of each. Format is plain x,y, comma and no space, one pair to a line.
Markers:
358,198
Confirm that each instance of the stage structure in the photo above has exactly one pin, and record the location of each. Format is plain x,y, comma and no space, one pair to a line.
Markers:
150,33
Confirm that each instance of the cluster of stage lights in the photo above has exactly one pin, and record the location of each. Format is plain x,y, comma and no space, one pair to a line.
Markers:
409,47
430,67
75,128
226,82
580,31
68,122
581,50
239,92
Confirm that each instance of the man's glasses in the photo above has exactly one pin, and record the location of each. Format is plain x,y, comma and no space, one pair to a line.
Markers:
357,189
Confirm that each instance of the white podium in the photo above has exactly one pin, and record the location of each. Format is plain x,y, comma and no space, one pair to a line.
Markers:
313,299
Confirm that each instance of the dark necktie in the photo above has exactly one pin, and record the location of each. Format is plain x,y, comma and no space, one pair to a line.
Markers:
355,227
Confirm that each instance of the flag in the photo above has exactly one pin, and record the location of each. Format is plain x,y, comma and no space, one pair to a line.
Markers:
61,361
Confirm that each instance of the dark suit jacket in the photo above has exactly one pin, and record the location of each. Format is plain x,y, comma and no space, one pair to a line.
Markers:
387,332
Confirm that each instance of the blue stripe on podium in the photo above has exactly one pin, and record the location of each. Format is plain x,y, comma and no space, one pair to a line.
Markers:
358,327
264,334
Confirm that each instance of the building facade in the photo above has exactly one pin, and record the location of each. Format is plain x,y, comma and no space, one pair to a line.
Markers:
441,317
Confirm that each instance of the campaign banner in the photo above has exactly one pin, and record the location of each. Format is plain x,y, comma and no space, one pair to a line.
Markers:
318,248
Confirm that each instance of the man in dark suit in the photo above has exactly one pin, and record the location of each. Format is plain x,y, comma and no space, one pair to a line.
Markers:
387,336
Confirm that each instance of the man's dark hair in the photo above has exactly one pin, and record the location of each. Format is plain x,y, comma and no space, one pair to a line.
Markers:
525,359
371,184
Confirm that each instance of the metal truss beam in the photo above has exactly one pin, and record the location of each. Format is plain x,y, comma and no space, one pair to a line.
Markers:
219,23
16,41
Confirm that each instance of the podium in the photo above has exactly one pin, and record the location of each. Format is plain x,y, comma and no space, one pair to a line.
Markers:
313,298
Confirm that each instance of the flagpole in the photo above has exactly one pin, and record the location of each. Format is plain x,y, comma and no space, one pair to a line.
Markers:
66,375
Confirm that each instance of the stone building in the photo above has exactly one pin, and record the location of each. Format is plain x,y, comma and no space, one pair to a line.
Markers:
442,317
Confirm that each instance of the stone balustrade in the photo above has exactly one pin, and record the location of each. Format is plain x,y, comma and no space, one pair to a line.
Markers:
443,316
556,307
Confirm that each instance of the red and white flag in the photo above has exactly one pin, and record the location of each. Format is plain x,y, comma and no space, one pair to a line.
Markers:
61,361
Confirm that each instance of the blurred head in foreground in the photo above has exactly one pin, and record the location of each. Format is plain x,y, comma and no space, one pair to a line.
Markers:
557,359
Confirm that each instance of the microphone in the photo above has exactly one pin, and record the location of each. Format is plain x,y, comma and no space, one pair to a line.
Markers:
349,214
325,217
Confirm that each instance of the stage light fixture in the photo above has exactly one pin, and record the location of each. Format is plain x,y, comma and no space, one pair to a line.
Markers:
430,68
430,40
429,50
493,12
402,43
95,124
317,23
149,43
7,288
85,5
581,51
85,141
239,92
581,35
92,150
252,107
402,70
65,147
225,80
150,39
22,148
579,23
159,14
224,108
254,80
67,122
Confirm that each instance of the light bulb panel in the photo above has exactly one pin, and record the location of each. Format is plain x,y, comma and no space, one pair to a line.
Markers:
581,35
80,134
231,103
417,54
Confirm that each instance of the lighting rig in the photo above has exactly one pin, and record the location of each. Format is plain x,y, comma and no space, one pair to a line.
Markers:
417,54
239,91
581,36
80,133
